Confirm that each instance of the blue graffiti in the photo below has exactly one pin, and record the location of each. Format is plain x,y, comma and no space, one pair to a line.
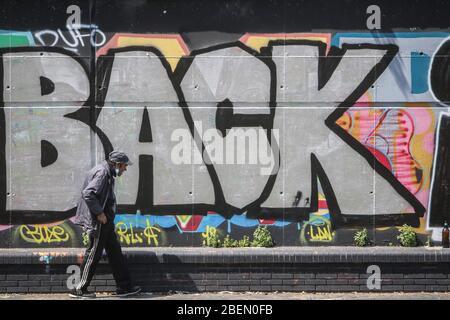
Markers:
211,220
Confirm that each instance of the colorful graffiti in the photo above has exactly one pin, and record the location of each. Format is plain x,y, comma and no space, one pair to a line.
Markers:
55,234
129,236
38,235
318,229
349,124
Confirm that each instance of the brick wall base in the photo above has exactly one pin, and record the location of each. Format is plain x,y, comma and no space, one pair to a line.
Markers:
326,269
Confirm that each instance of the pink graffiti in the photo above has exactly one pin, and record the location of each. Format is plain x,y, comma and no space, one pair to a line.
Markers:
387,134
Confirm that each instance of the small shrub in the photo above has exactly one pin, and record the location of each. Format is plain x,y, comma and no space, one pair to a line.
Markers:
211,239
429,242
262,237
228,242
362,238
407,236
245,242
85,237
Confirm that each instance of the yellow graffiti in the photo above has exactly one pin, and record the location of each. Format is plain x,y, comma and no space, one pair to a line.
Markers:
317,229
150,234
210,232
172,46
257,41
129,236
43,234
323,233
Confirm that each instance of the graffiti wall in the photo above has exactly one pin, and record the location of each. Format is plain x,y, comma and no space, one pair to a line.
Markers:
235,113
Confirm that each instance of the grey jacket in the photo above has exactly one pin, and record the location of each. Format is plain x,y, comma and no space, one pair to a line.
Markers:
97,187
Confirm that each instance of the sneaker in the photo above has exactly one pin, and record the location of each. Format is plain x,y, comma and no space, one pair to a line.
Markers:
127,292
80,294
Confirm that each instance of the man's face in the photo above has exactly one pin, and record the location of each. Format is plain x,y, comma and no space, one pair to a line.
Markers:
122,168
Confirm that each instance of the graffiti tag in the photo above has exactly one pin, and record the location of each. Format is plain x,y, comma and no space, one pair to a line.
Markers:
128,235
43,234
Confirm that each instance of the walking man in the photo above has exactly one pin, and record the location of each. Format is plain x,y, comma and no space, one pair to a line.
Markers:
95,213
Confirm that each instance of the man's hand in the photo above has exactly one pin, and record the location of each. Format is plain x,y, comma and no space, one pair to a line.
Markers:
102,218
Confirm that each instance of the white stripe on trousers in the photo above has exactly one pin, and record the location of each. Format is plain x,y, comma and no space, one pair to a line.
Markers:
89,261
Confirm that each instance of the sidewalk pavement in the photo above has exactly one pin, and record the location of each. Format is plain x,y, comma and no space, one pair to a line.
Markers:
247,296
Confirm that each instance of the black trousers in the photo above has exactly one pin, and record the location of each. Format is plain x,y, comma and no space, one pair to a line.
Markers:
105,238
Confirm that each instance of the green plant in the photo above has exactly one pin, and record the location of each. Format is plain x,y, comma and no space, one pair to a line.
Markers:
85,237
228,242
211,238
362,238
429,242
262,237
245,242
407,236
